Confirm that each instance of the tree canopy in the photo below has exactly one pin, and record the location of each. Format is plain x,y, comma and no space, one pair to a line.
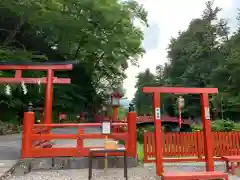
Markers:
100,35
206,54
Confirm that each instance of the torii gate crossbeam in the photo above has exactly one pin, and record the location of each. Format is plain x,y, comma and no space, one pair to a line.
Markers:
50,67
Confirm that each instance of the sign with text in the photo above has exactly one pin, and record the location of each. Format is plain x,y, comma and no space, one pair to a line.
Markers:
158,113
106,127
207,113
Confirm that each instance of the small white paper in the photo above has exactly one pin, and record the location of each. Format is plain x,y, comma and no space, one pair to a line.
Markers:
106,128
207,113
158,113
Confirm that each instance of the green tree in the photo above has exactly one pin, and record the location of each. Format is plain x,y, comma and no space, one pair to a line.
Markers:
204,55
143,102
100,35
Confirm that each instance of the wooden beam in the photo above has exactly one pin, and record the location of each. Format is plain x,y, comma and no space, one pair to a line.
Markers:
180,90
36,67
16,80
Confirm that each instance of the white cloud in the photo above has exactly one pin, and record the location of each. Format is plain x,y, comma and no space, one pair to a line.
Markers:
171,16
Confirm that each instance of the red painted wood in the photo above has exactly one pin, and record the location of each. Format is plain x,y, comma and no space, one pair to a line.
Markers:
164,118
194,175
179,90
49,81
158,135
231,158
78,125
17,80
132,134
36,138
48,98
180,147
28,123
36,67
207,133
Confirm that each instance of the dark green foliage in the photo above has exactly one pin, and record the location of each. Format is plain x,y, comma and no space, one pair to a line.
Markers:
140,132
100,35
220,126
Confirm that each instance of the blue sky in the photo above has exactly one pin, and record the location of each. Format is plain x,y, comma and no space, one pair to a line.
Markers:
166,18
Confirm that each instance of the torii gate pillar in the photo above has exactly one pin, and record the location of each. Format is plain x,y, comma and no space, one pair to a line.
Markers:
156,91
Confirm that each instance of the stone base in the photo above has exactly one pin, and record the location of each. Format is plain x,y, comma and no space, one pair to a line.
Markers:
27,165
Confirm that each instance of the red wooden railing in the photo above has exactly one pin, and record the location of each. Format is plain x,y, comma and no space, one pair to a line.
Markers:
147,119
41,143
189,146
31,135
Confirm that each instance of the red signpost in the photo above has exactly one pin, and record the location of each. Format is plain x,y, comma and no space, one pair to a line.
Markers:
49,80
156,91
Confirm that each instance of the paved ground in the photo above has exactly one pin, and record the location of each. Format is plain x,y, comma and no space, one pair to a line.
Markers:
138,173
10,146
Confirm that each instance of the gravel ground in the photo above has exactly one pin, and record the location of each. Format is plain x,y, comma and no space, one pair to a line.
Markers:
138,173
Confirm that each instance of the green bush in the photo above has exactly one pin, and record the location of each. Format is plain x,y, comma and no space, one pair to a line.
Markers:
196,127
140,132
236,127
220,126
140,135
140,152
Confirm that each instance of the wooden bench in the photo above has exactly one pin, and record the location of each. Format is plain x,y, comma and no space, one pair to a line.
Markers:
232,163
194,175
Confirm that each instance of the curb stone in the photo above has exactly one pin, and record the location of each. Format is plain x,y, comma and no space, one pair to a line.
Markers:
9,172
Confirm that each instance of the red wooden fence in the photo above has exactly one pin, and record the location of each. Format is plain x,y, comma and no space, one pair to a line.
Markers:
36,137
164,118
41,143
189,146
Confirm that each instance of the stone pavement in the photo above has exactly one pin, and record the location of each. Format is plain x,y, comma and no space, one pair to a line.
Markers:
138,173
10,146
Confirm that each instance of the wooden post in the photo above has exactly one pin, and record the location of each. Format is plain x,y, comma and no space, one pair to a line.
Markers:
49,98
199,151
132,134
80,140
207,132
28,125
115,118
145,146
158,133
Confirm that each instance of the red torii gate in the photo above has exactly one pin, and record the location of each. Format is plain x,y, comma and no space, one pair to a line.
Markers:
50,67
156,91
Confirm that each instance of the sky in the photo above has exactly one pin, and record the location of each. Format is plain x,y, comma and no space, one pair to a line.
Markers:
166,18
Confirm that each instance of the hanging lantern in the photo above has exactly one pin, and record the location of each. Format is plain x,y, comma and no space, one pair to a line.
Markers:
39,86
181,102
115,99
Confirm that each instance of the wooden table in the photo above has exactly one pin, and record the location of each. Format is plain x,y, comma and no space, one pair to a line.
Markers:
103,150
232,163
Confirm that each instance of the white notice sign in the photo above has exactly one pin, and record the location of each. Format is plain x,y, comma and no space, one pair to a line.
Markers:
106,127
207,113
158,113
